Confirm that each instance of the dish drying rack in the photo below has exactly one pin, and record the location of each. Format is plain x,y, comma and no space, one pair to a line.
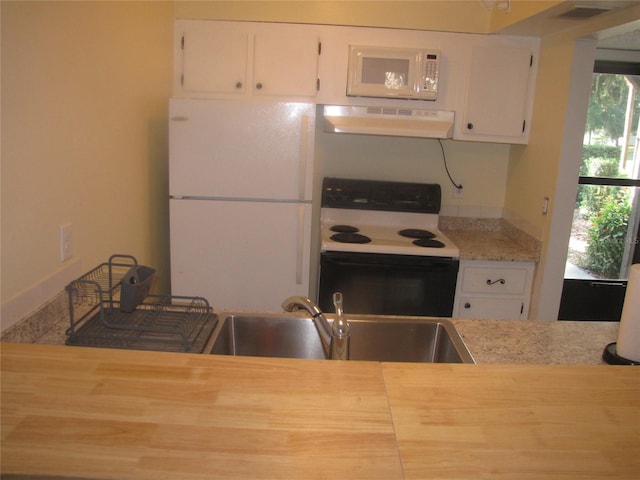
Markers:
109,306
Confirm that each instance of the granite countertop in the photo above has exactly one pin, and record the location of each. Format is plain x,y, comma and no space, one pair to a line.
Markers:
509,341
490,239
536,342
489,341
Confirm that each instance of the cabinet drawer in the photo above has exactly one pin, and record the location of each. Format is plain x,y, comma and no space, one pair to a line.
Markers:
494,280
490,307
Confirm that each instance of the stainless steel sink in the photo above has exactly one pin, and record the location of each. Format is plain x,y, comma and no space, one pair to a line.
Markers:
377,338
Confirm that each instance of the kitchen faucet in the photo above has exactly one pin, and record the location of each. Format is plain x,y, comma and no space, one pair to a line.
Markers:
335,339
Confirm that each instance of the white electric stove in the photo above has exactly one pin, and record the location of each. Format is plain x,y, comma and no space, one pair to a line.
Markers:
399,233
381,247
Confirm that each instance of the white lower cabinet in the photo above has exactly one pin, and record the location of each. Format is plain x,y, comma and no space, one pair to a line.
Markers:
493,290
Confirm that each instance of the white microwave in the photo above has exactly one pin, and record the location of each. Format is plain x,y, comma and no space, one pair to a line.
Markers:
393,72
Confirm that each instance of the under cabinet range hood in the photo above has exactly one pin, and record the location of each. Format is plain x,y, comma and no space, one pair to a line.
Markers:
397,122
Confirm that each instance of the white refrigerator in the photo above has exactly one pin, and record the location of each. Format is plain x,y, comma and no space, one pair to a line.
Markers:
240,185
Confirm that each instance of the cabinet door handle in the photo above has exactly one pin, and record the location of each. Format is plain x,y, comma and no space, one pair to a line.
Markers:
259,86
501,281
238,85
467,305
469,126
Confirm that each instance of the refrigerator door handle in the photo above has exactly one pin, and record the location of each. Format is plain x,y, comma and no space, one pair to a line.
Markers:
300,244
304,143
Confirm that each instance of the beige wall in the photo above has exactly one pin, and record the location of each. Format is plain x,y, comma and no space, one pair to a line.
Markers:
84,93
84,90
475,165
469,16
533,168
548,165
84,101
442,15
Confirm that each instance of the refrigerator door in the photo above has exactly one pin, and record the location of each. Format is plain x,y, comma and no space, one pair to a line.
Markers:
241,149
240,255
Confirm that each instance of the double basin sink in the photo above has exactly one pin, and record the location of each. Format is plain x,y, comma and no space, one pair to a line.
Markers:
374,338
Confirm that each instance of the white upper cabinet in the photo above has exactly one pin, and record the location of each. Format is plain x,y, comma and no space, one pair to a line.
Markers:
237,59
498,95
214,60
488,81
285,64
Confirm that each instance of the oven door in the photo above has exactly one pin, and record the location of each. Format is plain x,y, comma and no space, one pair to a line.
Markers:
388,284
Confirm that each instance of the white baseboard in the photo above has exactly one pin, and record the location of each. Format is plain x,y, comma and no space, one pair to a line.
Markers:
31,299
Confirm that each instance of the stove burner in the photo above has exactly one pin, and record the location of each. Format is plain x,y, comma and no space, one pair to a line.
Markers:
350,237
428,242
416,233
344,229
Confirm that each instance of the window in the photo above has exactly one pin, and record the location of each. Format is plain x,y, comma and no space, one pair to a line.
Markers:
605,225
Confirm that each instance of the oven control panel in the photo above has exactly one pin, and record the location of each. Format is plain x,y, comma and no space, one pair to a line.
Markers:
381,195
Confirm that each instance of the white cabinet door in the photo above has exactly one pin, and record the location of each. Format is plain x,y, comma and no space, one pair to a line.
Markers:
240,255
285,64
214,60
493,290
241,59
496,94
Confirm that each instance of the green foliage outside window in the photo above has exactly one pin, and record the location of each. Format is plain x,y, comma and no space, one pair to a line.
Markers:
607,105
608,210
608,236
591,199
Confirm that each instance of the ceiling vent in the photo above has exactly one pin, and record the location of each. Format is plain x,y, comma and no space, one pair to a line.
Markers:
582,13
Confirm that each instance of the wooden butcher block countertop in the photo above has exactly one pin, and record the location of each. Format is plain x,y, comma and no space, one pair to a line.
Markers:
118,414
516,422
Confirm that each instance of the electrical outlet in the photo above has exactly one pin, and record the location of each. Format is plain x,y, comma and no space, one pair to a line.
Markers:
66,245
456,193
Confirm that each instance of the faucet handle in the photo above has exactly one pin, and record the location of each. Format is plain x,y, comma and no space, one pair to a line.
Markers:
340,325
337,301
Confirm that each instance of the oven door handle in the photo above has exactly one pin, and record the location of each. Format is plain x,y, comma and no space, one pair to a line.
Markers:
432,265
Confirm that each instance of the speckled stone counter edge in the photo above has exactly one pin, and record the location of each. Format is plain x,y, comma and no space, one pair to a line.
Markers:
529,248
46,325
489,341
536,341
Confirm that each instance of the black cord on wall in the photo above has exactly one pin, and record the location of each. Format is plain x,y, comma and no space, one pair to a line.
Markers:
444,158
